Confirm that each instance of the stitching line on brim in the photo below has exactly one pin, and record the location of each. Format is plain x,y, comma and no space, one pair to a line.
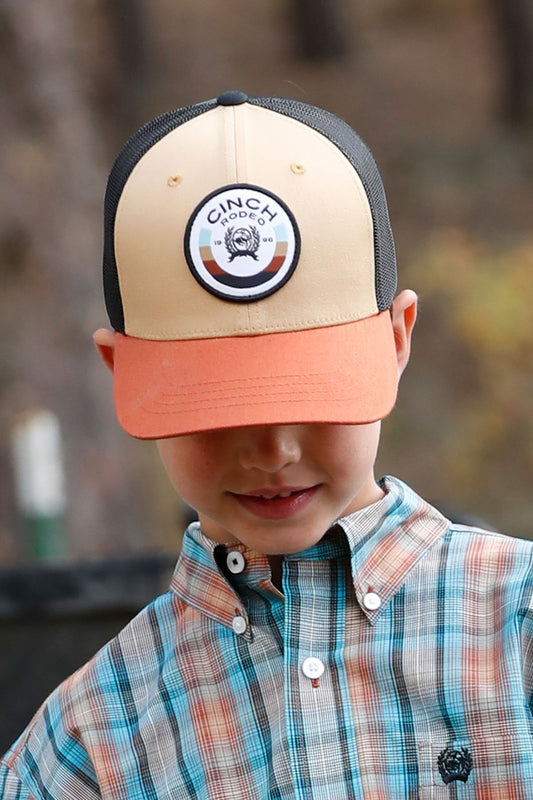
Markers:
243,404
267,392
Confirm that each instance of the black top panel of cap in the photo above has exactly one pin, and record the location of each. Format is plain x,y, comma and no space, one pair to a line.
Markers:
233,97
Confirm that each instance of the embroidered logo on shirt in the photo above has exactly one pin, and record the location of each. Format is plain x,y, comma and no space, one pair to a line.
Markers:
454,765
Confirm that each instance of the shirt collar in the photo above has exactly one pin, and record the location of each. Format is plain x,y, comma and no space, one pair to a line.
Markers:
384,542
387,540
200,582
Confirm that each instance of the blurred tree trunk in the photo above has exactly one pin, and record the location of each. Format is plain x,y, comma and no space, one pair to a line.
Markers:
515,26
127,26
51,168
319,30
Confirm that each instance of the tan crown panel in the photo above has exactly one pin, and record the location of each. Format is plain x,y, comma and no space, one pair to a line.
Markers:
243,144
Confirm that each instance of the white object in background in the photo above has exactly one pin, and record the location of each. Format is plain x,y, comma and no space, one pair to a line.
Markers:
38,465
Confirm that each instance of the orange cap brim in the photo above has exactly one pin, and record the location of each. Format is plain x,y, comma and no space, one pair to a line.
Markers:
339,374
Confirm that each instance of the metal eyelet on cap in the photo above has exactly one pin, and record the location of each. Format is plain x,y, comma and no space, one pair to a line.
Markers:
174,180
298,169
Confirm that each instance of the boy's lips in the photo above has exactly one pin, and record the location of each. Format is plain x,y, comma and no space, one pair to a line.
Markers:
281,503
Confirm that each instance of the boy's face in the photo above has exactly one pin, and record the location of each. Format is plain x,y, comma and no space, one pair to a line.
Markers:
275,488
278,488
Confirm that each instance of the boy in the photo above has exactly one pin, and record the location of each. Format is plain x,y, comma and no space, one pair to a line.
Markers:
326,635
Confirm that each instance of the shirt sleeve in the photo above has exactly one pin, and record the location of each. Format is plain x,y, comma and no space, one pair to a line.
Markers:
11,787
48,761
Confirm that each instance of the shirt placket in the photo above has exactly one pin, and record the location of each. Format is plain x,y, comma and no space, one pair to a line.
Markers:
319,736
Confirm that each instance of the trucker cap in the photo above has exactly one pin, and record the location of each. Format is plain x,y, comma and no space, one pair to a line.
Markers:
249,267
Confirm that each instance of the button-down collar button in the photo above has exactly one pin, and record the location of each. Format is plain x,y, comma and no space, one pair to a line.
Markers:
238,624
372,601
235,562
312,668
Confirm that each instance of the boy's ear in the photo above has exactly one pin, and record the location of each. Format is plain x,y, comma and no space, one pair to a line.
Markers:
105,344
403,311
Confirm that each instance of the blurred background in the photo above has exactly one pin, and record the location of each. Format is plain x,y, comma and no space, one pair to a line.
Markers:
442,90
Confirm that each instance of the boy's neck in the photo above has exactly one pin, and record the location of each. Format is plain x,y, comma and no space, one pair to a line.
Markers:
370,494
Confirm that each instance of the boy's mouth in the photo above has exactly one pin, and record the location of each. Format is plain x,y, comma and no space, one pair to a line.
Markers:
276,503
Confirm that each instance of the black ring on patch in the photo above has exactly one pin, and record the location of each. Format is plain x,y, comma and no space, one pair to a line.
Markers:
247,246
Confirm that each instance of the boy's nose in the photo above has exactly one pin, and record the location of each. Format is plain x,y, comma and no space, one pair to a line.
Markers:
269,448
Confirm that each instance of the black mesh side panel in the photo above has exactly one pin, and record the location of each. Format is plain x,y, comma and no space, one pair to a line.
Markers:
359,155
131,153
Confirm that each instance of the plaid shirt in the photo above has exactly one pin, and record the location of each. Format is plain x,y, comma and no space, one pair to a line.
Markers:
398,663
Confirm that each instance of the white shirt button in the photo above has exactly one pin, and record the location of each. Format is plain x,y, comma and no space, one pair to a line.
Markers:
313,668
238,624
372,601
235,562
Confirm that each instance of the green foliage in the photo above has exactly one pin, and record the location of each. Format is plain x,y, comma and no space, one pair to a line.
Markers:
480,296
490,293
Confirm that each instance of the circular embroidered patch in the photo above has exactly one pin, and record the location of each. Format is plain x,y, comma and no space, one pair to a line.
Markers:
242,243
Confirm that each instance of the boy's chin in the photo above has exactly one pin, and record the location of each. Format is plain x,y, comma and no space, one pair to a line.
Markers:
277,545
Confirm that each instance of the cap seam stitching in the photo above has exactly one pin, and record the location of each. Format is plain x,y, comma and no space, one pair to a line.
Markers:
285,327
